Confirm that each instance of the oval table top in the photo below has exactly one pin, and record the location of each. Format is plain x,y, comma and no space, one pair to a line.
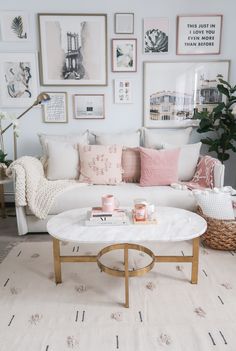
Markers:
173,224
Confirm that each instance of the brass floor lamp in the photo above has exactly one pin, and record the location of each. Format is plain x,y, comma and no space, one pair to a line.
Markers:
41,98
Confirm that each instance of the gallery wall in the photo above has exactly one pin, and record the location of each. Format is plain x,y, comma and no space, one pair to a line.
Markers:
118,117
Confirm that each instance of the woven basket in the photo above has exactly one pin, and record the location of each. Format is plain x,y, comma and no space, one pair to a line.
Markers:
220,234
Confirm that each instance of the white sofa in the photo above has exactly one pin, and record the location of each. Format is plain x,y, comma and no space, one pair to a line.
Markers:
90,195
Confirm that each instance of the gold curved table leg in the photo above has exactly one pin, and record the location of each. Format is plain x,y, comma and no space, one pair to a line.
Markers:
57,260
126,259
194,276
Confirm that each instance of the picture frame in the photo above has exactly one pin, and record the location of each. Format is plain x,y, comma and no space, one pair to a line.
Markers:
56,109
89,106
199,34
124,55
123,91
156,35
124,23
174,90
15,26
73,49
18,79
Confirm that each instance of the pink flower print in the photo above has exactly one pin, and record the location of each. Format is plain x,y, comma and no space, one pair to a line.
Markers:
117,316
200,312
35,319
227,286
164,339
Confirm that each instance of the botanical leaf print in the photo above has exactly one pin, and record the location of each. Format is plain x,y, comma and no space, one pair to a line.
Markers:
18,27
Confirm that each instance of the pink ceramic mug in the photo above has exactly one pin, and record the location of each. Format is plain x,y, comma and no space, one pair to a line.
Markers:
109,203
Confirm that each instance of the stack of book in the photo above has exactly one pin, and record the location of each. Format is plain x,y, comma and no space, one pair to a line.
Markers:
97,217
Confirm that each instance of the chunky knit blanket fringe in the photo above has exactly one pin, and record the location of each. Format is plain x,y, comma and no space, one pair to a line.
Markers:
33,189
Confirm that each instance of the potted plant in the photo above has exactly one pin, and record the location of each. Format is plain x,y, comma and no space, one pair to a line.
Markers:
4,163
221,122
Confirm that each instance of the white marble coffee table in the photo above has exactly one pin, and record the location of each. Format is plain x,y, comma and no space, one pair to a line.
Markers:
173,225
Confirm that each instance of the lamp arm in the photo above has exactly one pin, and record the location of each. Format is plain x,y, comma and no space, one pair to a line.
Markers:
28,109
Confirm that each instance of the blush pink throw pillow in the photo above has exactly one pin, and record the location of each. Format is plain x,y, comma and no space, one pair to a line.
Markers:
131,165
100,164
159,167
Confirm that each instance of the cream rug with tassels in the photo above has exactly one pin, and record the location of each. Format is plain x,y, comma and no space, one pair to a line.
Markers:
86,312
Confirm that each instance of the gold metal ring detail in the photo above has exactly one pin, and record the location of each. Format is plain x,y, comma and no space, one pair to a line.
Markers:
119,273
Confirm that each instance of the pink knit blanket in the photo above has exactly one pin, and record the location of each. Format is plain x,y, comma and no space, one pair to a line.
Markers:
204,175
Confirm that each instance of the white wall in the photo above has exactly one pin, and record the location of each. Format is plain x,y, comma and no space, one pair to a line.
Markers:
118,117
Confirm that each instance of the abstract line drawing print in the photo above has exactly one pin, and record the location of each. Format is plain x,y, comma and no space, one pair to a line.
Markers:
18,79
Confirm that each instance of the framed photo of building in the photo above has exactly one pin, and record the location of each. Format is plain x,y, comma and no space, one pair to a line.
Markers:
89,106
199,35
15,26
18,79
55,110
73,49
123,91
124,23
124,55
172,90
156,35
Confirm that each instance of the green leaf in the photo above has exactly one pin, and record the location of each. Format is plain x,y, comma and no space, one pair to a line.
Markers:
223,90
224,82
219,107
223,156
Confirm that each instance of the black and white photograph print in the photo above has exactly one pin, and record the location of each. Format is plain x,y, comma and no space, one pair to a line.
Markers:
18,79
156,35
173,91
124,55
73,49
15,26
89,106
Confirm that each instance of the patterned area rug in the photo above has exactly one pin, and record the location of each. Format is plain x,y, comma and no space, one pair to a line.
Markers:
86,311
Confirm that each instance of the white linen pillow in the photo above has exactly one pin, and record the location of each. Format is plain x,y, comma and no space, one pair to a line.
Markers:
215,204
156,139
127,139
63,161
188,159
73,139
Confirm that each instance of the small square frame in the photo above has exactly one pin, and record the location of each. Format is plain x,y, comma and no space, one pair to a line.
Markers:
124,23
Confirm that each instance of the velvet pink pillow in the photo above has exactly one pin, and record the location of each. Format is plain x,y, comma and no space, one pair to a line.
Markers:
159,167
131,165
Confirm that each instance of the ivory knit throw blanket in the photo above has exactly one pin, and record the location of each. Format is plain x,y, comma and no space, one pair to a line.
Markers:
33,189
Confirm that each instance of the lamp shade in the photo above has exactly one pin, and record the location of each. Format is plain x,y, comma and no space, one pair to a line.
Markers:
41,98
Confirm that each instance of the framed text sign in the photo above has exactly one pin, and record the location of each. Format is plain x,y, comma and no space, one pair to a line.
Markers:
199,35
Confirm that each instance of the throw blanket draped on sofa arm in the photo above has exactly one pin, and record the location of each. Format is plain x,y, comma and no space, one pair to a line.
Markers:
33,189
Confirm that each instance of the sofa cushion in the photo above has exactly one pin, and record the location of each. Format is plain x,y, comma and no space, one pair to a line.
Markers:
73,139
159,167
100,164
63,161
188,160
157,138
127,139
131,165
90,195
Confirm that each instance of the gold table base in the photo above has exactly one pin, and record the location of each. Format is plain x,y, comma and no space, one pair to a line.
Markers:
126,273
